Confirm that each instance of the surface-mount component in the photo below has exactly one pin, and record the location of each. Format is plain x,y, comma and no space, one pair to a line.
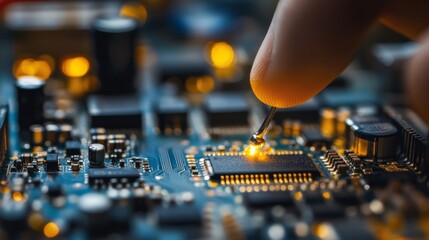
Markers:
413,137
72,148
375,139
52,162
115,112
312,136
268,199
104,175
226,110
238,169
96,153
172,115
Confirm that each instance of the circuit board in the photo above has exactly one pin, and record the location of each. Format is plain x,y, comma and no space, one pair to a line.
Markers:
137,126
184,174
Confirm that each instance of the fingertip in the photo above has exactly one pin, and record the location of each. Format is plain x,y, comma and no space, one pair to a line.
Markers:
306,48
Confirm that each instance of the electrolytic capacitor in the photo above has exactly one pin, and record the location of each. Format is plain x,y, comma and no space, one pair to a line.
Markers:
30,98
115,49
96,154
374,138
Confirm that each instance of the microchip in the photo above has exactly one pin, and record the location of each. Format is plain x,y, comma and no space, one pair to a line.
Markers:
278,168
52,163
226,110
268,199
172,113
115,112
312,136
106,174
72,148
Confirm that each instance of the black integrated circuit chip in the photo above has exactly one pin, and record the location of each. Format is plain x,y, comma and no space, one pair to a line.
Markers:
313,137
115,112
278,168
172,113
226,110
52,162
268,199
106,174
72,148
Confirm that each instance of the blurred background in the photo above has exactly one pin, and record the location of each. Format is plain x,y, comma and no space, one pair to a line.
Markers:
184,47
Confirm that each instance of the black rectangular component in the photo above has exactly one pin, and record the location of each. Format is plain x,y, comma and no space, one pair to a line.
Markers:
106,174
280,167
115,112
72,148
226,109
321,211
307,112
4,141
172,113
52,164
268,199
179,216
312,136
381,179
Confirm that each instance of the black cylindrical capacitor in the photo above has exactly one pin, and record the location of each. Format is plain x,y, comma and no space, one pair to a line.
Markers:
30,101
375,141
96,154
115,50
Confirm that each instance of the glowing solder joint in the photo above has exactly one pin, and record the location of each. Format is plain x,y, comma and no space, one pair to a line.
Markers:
257,141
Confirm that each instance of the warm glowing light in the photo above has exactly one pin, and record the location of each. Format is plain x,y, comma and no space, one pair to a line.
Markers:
253,152
51,230
202,84
298,196
75,66
17,196
324,231
222,55
326,195
32,67
134,10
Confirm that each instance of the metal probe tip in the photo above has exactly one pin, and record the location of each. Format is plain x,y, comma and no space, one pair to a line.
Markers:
257,139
